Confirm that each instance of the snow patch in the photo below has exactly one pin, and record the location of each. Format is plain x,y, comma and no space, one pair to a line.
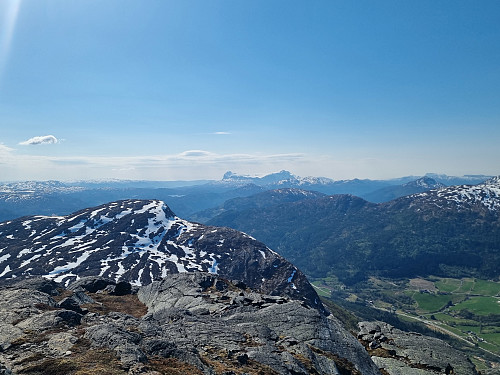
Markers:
214,267
5,271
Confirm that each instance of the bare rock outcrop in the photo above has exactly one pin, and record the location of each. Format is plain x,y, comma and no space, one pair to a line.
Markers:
409,353
192,323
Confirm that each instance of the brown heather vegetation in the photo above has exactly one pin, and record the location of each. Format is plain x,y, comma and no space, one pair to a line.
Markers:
221,363
128,304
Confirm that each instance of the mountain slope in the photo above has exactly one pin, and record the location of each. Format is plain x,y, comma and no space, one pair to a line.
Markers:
265,199
390,193
452,231
140,241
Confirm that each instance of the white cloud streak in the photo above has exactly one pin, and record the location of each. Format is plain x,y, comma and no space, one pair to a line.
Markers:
190,164
195,154
44,139
221,133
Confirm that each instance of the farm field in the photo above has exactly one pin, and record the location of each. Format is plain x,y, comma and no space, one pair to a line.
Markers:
467,309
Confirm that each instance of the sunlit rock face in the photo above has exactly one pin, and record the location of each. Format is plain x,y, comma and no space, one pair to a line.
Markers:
192,323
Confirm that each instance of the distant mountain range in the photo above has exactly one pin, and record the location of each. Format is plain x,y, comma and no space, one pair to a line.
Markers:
57,198
280,178
139,241
450,231
389,193
188,198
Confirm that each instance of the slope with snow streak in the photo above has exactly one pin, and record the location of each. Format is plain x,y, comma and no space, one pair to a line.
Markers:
486,194
139,241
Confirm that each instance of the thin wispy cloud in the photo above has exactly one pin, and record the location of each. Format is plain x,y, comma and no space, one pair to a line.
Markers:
181,166
221,133
70,161
41,140
204,164
4,149
195,153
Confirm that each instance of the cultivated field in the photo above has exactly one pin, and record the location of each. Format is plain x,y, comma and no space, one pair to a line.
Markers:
467,310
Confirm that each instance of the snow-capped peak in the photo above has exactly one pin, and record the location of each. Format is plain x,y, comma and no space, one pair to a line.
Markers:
138,241
281,178
426,183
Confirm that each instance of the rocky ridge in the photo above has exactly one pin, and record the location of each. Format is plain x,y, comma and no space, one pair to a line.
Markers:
196,323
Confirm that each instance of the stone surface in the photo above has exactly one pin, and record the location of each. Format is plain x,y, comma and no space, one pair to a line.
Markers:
197,322
50,319
200,310
397,367
60,343
399,352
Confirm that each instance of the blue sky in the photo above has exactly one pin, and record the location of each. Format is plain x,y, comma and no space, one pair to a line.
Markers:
166,90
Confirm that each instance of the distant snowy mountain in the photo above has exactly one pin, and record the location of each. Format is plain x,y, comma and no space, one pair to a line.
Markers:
486,194
424,183
139,241
472,179
30,189
279,178
372,190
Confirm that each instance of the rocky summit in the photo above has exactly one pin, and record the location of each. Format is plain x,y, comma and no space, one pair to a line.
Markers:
189,323
139,241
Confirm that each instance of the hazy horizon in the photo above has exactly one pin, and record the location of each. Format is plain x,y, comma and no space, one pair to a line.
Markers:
97,180
187,90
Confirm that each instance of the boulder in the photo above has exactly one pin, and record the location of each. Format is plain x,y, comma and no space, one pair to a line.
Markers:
91,284
60,343
35,283
51,319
